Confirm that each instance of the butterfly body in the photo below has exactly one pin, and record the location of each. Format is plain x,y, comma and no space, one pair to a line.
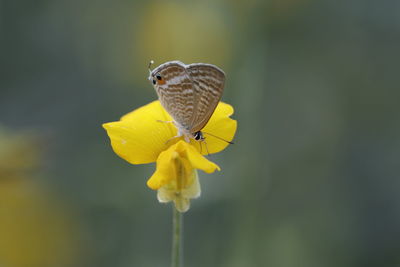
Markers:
189,93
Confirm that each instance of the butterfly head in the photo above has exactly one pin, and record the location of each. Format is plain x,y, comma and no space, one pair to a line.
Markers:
155,76
198,136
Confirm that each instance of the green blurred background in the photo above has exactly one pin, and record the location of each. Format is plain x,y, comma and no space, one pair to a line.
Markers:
313,176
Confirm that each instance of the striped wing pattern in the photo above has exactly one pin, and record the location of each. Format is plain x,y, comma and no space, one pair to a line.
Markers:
189,93
208,84
176,94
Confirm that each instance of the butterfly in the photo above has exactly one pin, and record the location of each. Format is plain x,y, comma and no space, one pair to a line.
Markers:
189,93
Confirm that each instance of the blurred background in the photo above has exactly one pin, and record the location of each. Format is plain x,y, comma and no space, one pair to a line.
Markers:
313,176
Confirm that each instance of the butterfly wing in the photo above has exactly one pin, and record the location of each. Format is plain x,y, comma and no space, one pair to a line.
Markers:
208,85
175,91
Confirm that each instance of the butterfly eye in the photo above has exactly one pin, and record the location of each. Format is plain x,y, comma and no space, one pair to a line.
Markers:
159,77
154,81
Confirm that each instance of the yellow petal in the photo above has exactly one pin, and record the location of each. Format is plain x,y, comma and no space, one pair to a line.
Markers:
196,159
165,170
219,125
190,158
138,137
193,190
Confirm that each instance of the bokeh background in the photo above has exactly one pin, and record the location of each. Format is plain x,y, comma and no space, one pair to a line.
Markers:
313,176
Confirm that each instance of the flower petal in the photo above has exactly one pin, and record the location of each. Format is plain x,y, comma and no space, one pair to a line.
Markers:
165,170
138,137
193,190
181,199
196,159
219,126
190,158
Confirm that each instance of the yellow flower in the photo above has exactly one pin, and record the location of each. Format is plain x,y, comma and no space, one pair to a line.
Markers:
140,137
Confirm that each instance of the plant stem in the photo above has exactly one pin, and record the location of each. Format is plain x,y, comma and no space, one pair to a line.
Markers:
177,225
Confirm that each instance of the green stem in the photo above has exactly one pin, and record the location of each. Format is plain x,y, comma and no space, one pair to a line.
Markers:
177,221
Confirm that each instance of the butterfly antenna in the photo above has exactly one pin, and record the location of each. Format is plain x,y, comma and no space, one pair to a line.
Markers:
150,63
229,142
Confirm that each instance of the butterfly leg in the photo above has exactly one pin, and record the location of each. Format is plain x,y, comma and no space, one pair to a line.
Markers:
176,136
205,143
165,121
